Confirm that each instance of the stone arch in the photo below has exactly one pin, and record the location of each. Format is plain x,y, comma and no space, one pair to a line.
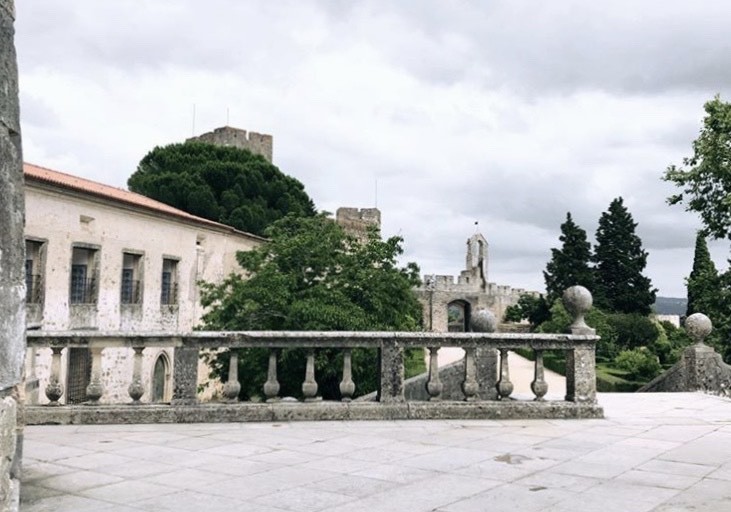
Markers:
161,376
458,315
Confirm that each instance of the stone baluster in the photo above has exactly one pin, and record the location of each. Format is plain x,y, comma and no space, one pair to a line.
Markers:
95,389
271,386
470,386
309,386
539,386
233,386
136,388
504,386
391,373
54,390
347,386
485,358
185,375
580,361
434,386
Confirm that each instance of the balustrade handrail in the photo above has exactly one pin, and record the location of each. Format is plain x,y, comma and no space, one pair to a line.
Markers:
486,372
313,339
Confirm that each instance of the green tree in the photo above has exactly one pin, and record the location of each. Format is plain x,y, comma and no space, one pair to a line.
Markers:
705,181
220,183
705,177
703,283
569,265
619,259
529,307
310,275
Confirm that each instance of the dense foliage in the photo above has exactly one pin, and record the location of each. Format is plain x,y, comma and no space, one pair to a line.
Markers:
220,183
705,177
529,307
619,261
704,283
569,265
310,275
705,181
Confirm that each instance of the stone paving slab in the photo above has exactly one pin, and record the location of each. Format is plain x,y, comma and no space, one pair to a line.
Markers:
652,453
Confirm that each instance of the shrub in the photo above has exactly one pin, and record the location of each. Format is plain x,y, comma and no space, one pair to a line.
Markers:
639,363
633,330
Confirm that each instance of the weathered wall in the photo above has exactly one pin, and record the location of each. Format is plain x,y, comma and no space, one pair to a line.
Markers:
12,250
700,369
470,287
61,219
257,143
12,255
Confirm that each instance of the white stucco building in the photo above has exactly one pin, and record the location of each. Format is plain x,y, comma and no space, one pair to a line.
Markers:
103,258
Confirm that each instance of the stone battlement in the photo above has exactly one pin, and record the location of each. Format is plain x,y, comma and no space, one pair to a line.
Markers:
355,221
257,143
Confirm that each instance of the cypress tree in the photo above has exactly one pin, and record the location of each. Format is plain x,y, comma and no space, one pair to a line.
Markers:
569,265
620,260
703,283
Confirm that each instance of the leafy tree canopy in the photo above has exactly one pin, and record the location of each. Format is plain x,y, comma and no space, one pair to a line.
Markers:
529,307
310,275
569,265
220,183
705,177
619,258
705,181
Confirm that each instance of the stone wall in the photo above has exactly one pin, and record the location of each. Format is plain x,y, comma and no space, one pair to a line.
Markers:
257,143
12,256
700,367
355,221
470,289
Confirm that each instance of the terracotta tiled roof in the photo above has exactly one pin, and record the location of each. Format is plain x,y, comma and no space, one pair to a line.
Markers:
68,181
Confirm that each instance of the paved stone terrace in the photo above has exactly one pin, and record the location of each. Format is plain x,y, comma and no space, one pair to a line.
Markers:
653,452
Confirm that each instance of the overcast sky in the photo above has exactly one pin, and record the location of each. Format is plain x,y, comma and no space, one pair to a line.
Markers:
508,113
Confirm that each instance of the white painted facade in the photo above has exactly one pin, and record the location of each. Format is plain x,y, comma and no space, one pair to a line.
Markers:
106,259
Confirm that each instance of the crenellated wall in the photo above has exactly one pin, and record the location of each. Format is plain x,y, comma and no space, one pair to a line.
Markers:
257,143
470,289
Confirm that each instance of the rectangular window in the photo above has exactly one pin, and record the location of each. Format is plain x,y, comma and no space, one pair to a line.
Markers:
169,282
131,284
34,271
83,276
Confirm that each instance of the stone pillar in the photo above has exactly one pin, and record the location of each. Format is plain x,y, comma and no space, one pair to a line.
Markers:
581,361
12,209
581,375
185,375
391,375
12,256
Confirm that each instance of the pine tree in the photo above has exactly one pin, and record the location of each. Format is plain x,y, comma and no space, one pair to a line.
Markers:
703,283
620,260
569,265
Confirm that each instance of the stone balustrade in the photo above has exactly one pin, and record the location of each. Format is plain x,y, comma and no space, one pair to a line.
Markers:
580,400
487,388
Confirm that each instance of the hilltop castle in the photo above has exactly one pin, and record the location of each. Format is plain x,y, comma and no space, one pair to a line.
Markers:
257,143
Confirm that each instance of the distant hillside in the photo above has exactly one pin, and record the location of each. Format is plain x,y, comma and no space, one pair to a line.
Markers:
670,306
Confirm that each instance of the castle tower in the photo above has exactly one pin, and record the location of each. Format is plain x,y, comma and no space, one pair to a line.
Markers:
476,259
257,143
355,221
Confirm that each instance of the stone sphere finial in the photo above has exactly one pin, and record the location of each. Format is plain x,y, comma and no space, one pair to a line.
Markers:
577,301
482,320
698,326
